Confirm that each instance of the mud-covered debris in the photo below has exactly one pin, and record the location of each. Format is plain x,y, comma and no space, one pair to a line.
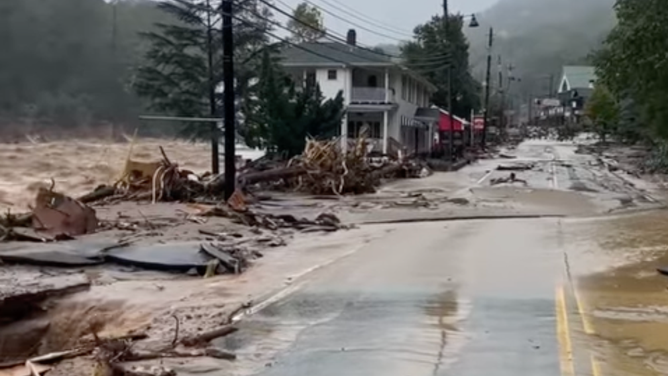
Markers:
515,167
324,222
58,214
507,156
232,258
458,201
203,338
512,178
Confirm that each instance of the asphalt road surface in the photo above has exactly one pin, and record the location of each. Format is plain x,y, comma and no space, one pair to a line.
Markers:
500,296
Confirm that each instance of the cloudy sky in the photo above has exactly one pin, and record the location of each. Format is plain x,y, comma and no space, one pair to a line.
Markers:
387,20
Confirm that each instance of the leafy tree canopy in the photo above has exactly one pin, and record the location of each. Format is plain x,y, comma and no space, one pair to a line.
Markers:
307,24
633,63
429,53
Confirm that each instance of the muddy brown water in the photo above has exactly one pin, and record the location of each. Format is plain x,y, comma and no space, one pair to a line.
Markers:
627,305
78,166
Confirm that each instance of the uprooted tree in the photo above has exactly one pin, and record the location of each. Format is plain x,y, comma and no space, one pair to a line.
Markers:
285,115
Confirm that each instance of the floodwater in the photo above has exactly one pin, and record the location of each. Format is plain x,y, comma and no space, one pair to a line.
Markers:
627,304
78,166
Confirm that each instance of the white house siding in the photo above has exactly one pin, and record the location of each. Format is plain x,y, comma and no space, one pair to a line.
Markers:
330,88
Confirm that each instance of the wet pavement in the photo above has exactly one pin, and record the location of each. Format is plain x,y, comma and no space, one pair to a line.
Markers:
573,294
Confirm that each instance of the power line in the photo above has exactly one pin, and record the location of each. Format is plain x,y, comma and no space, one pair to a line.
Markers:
354,24
338,37
353,13
278,24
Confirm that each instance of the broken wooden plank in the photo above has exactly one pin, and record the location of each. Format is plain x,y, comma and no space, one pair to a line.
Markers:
228,261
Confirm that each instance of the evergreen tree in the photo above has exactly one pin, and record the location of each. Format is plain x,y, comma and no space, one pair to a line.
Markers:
285,115
177,77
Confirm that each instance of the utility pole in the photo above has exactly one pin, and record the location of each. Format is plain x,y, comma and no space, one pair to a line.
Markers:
499,65
487,85
446,18
215,138
114,56
228,99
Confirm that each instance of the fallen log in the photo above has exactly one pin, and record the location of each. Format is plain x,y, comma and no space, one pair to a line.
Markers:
387,170
208,336
518,167
271,175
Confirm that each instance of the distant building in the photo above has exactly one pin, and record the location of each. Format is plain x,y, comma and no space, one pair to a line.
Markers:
576,86
378,93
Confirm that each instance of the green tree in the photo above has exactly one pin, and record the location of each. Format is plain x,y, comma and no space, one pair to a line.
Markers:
426,54
307,24
603,111
285,115
632,62
177,76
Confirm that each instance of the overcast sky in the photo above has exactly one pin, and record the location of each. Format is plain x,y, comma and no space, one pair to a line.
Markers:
393,18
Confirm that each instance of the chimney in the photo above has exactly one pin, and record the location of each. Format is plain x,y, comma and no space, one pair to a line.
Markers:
351,39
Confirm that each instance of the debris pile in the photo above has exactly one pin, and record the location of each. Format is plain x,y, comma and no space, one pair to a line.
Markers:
330,170
324,222
324,168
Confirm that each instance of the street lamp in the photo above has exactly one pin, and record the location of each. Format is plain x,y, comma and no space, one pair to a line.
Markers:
474,23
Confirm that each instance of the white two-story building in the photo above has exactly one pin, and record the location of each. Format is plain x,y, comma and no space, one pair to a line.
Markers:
378,93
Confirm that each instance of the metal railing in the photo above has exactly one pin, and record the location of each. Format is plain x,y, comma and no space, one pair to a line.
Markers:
371,94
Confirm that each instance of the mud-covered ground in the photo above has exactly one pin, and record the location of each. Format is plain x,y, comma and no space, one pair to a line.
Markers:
506,240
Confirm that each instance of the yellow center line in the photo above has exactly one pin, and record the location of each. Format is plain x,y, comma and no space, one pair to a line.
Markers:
595,367
563,334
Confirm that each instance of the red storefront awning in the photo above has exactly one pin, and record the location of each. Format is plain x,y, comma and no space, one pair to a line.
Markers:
444,122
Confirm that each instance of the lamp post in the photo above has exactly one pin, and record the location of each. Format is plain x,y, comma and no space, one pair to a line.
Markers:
474,23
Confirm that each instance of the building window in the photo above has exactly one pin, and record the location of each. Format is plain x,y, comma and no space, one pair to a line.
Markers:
331,74
372,81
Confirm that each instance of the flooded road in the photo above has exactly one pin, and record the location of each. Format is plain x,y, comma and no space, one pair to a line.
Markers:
427,299
572,294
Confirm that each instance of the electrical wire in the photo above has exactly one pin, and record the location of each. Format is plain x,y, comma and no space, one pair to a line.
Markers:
338,37
326,45
354,14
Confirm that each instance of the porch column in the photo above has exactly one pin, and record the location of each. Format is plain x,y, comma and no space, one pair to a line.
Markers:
387,85
386,113
385,131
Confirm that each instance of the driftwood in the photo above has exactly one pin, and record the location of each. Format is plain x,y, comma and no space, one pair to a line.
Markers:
208,336
99,193
271,175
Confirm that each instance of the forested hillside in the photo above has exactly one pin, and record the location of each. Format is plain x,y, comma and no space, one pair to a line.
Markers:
70,62
540,36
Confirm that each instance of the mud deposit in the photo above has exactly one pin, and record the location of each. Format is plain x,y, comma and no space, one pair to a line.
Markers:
627,304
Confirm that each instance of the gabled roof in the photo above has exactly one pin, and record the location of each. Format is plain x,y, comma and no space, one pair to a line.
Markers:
577,77
335,54
332,54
